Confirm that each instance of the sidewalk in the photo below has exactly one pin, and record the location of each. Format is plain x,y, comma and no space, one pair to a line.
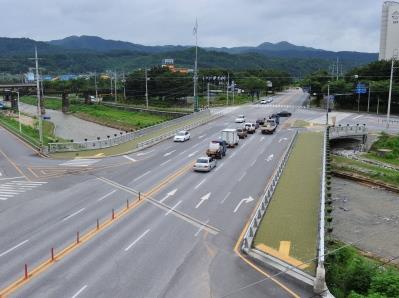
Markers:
289,229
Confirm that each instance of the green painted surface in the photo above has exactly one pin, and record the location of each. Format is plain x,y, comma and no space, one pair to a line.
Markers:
293,211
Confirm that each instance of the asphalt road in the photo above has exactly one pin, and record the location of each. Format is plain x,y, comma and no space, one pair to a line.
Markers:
179,242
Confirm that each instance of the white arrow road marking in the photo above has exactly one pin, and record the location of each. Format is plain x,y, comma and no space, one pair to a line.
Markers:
199,184
247,200
169,194
12,248
192,154
144,153
269,158
139,177
80,291
203,199
129,158
173,208
137,240
282,139
169,153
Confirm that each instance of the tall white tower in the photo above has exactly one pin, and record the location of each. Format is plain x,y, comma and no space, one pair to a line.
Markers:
389,42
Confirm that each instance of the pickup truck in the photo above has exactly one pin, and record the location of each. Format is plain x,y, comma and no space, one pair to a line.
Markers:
242,133
275,117
217,149
269,127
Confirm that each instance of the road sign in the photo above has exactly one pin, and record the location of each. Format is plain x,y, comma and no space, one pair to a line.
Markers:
361,89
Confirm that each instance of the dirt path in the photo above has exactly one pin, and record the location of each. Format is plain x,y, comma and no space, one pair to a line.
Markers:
368,214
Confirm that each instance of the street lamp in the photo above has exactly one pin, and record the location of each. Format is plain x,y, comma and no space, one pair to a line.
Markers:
394,57
19,111
328,102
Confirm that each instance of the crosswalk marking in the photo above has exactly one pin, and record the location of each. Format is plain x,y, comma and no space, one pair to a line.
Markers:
282,106
13,188
79,162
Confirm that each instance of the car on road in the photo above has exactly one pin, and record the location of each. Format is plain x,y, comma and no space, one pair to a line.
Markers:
182,136
46,117
242,133
204,164
216,149
284,114
240,119
263,101
275,117
260,121
250,127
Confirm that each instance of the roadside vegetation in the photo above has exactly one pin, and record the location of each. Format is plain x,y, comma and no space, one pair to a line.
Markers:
384,142
376,173
28,132
350,274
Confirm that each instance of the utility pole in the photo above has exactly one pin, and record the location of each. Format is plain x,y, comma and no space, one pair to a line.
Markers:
328,102
124,86
368,101
116,95
378,104
337,68
39,111
95,85
208,95
233,90
227,87
196,105
110,78
395,56
146,89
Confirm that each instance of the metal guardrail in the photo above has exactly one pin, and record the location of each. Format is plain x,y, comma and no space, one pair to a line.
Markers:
347,130
122,138
391,121
262,207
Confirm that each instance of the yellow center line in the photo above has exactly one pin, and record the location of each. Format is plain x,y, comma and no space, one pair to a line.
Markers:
14,165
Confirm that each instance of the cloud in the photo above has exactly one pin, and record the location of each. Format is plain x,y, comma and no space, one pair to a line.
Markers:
327,24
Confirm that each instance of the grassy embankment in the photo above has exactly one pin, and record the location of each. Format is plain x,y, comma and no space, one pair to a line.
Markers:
350,274
389,142
30,133
113,117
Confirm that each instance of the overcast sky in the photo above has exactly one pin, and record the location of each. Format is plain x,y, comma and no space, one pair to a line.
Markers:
326,24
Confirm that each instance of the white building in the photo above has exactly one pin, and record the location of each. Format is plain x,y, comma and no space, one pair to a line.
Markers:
389,43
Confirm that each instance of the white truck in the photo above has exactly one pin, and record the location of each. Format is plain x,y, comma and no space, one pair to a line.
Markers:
230,136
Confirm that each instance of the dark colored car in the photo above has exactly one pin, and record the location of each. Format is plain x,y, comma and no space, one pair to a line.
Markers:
242,133
276,117
260,121
223,144
284,114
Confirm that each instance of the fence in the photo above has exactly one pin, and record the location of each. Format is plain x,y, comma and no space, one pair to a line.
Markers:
262,207
348,130
123,137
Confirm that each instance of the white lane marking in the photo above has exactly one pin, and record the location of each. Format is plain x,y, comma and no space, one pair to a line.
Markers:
269,158
247,200
137,240
139,177
11,178
27,183
3,199
168,195
73,214
199,184
7,196
107,195
357,117
181,153
201,228
200,137
79,162
245,144
14,247
282,139
144,153
192,154
80,291
261,139
219,167
203,199
8,192
1,174
192,147
165,162
129,158
173,208
232,155
253,163
242,176
169,153
225,197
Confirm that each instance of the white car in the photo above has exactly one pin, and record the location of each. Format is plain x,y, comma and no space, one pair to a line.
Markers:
250,127
263,101
182,136
270,100
240,119
204,164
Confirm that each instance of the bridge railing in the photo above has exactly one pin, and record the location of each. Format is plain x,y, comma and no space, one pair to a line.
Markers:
122,137
348,130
